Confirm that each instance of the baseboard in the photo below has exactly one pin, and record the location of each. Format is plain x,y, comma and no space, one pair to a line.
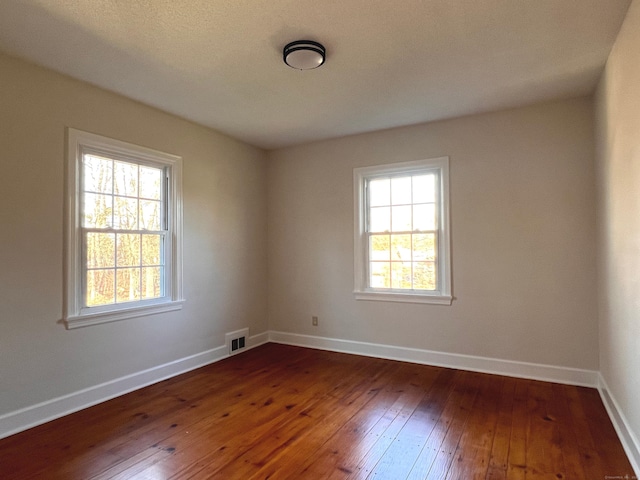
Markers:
259,339
25,418
548,373
629,441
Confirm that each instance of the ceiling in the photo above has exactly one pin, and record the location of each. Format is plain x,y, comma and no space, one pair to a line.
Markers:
389,63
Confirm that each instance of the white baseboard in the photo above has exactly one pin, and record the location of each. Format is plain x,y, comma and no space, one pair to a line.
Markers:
629,441
25,418
548,373
259,339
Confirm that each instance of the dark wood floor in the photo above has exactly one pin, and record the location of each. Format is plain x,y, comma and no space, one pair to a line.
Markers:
286,412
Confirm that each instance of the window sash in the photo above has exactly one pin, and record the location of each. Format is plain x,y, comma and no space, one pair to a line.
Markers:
369,233
370,262
140,265
113,194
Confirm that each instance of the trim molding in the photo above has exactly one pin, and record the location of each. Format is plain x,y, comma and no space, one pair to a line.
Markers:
34,415
534,371
628,439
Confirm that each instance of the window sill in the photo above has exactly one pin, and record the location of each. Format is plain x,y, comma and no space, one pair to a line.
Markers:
403,297
78,321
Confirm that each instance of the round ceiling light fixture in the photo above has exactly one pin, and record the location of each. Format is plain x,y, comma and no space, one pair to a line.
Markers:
303,54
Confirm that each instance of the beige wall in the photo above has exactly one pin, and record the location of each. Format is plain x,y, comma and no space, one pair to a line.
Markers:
618,159
224,239
523,231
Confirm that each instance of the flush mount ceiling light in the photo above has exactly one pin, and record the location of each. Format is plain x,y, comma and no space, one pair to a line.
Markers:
303,54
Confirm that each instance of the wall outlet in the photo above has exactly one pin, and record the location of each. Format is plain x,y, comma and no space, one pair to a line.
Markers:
237,341
314,321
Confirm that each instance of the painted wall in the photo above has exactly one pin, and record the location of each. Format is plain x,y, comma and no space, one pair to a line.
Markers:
224,239
523,237
618,173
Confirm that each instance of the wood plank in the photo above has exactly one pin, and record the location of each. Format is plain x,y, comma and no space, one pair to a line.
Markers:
445,455
500,448
471,459
544,455
344,446
452,399
401,412
587,445
400,457
567,438
517,464
284,412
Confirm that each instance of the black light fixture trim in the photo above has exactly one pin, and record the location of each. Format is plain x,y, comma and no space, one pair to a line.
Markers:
306,45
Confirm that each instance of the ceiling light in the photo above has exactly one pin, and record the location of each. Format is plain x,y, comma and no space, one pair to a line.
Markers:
303,54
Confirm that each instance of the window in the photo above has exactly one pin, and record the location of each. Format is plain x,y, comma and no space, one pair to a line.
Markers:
402,232
124,231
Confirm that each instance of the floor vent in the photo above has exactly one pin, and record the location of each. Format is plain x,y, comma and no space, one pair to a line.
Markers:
237,341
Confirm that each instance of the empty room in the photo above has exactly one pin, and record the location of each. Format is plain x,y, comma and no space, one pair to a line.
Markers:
308,240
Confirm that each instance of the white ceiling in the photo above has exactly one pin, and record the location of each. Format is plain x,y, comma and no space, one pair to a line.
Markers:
389,63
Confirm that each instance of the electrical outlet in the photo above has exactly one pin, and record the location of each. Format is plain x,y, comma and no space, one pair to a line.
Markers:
314,321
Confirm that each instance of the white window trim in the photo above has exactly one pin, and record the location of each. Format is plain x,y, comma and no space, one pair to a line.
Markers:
441,296
74,314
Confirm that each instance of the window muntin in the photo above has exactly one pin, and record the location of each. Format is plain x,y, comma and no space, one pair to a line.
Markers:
124,230
401,232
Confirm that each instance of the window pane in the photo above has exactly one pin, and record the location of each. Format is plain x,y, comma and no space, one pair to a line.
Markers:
401,219
128,285
97,210
125,213
424,217
424,246
150,182
150,215
401,275
151,282
379,219
126,179
380,192
424,276
128,250
380,275
379,247
100,287
100,250
97,174
424,188
400,190
151,250
400,247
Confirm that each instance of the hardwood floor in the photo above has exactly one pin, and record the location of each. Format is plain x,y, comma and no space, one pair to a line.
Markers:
282,412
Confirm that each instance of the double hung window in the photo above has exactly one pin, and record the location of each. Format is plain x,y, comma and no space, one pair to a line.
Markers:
124,230
402,232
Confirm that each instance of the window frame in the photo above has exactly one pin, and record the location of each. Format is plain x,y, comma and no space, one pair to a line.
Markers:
362,291
75,313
